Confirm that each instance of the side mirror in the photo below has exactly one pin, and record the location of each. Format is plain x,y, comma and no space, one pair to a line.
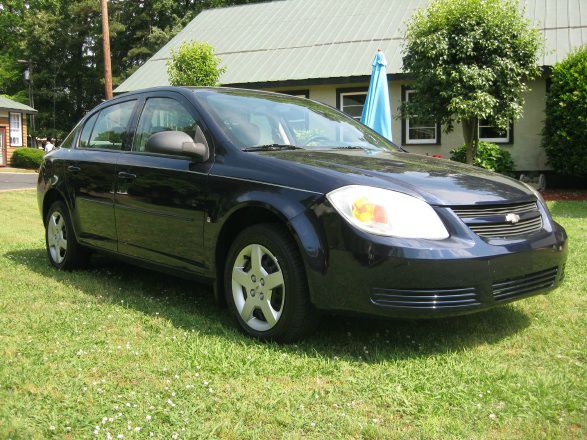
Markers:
177,143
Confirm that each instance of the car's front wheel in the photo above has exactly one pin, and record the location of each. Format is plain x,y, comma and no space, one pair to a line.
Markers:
63,250
266,286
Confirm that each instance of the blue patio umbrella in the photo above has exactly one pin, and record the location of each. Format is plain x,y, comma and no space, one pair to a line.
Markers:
377,109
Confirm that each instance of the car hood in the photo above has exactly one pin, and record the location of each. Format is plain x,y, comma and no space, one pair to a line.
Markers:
438,181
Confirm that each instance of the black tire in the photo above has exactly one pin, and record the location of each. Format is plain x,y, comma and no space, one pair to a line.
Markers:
73,256
298,316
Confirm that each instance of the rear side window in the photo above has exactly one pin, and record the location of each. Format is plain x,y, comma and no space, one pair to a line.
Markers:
84,140
163,114
70,139
111,125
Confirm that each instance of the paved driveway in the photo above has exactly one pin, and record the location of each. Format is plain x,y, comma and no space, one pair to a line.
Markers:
17,181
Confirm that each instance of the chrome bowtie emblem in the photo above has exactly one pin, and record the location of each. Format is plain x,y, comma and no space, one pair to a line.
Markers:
512,218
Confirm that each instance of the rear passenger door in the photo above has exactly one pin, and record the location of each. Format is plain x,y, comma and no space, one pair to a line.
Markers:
159,200
91,173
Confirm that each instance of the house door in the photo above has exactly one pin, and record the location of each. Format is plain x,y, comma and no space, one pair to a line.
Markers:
2,147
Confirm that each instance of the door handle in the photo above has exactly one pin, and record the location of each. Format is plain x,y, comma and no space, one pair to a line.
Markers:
73,169
127,176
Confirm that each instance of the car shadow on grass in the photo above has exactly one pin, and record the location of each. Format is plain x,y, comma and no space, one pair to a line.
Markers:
191,306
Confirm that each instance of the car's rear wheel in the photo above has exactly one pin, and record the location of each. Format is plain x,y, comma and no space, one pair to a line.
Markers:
63,250
266,287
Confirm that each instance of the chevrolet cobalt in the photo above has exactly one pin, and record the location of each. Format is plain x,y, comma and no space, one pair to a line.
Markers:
290,207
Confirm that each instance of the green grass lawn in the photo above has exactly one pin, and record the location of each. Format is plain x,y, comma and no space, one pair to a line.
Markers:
123,351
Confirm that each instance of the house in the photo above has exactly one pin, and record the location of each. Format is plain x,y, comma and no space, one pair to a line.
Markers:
13,127
322,49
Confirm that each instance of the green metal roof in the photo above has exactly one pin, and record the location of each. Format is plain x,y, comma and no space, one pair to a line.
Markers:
13,106
315,39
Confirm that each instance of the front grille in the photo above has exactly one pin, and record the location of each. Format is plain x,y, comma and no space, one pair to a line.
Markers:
490,211
490,221
427,299
512,288
506,229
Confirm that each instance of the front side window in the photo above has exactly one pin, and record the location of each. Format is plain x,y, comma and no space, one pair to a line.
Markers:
110,129
352,103
490,133
163,114
420,130
16,129
253,119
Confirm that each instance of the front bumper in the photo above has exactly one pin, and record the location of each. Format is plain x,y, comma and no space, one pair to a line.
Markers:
425,279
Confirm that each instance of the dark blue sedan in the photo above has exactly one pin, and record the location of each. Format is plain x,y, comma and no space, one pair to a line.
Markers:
289,208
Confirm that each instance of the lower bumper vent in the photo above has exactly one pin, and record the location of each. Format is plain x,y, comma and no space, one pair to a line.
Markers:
425,299
525,285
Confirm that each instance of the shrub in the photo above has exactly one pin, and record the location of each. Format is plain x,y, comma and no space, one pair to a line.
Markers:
564,136
489,156
27,158
194,64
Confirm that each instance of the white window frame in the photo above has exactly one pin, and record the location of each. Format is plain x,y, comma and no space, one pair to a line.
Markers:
341,103
502,140
419,141
15,132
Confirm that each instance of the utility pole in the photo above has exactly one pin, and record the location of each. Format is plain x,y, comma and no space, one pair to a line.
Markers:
106,45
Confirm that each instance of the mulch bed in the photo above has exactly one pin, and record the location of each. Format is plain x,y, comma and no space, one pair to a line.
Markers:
580,194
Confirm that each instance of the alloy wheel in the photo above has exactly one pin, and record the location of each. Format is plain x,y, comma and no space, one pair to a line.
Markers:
57,237
258,287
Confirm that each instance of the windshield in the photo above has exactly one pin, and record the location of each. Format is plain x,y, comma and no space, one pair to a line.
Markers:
255,120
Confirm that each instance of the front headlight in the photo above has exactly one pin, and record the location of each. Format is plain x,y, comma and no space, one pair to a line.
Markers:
385,212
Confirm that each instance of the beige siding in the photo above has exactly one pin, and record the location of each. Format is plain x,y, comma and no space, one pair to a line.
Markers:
525,149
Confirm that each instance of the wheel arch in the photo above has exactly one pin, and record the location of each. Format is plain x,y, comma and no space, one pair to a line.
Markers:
300,227
50,197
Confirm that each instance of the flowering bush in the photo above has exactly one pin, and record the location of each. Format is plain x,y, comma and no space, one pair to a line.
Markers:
489,156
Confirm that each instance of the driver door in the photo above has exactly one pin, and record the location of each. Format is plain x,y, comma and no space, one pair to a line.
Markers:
159,205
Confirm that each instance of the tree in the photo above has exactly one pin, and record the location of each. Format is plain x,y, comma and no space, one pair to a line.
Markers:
471,60
194,64
565,127
62,39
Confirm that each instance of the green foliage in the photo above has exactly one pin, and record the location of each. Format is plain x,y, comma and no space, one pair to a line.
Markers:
63,39
470,60
27,158
194,64
565,128
489,156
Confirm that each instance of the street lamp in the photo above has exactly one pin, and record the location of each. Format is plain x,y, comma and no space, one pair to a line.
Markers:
28,77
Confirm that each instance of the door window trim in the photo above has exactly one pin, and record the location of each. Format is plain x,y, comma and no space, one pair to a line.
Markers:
182,100
98,111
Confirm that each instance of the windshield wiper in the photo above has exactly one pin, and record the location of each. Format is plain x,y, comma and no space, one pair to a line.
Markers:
355,147
272,147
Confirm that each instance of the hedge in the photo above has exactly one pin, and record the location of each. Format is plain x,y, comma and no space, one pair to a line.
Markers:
27,158
565,127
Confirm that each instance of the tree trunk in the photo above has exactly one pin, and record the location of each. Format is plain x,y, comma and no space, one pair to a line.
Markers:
470,135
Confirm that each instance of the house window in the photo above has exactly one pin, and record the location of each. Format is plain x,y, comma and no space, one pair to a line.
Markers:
420,130
15,129
489,133
352,103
